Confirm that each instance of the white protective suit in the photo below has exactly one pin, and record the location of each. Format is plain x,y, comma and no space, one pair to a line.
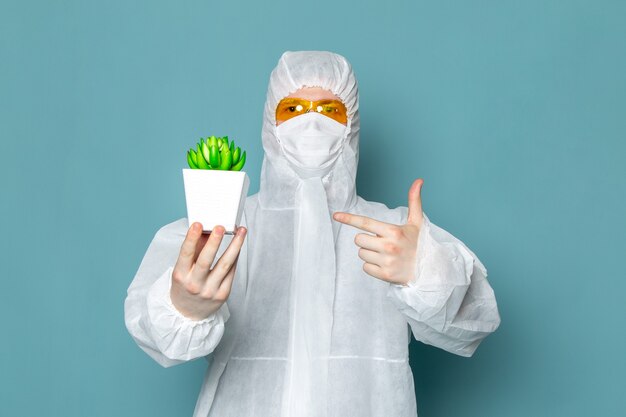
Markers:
305,331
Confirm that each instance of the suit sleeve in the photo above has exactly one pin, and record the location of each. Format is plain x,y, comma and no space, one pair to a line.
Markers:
449,302
158,328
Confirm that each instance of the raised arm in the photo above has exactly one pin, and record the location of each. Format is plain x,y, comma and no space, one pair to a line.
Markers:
434,279
157,326
449,303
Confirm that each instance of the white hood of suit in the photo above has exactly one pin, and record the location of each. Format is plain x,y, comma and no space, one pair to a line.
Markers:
294,71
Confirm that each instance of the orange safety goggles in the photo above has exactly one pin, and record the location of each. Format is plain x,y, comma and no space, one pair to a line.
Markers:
290,107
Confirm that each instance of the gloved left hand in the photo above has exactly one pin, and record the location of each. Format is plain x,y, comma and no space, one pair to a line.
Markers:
391,255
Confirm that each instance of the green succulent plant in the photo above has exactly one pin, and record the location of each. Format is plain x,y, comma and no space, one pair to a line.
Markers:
216,153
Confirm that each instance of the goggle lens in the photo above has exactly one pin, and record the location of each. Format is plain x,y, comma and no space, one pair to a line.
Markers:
290,107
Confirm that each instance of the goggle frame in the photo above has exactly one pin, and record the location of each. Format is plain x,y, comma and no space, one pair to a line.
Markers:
290,107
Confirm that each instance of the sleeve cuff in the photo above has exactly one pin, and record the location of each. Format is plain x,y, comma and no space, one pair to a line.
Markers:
176,335
442,276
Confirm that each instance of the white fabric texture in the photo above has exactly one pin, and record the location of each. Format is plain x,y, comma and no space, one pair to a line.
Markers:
196,337
311,142
364,325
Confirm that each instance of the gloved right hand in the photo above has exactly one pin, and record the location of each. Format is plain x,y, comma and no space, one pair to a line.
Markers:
197,291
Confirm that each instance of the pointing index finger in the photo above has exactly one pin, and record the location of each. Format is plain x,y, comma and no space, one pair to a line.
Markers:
364,223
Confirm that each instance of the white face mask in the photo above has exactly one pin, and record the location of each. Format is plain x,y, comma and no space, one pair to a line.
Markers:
311,141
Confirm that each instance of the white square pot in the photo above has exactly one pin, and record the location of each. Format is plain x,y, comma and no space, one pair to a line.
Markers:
215,197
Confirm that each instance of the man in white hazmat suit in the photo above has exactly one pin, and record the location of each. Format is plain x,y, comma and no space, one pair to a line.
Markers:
311,312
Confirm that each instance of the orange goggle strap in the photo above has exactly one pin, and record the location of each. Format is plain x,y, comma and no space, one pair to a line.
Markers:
291,107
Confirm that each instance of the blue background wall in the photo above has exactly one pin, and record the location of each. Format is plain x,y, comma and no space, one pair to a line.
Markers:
514,113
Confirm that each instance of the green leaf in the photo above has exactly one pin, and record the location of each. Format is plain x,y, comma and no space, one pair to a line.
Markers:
214,156
190,162
201,162
227,159
236,155
240,164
